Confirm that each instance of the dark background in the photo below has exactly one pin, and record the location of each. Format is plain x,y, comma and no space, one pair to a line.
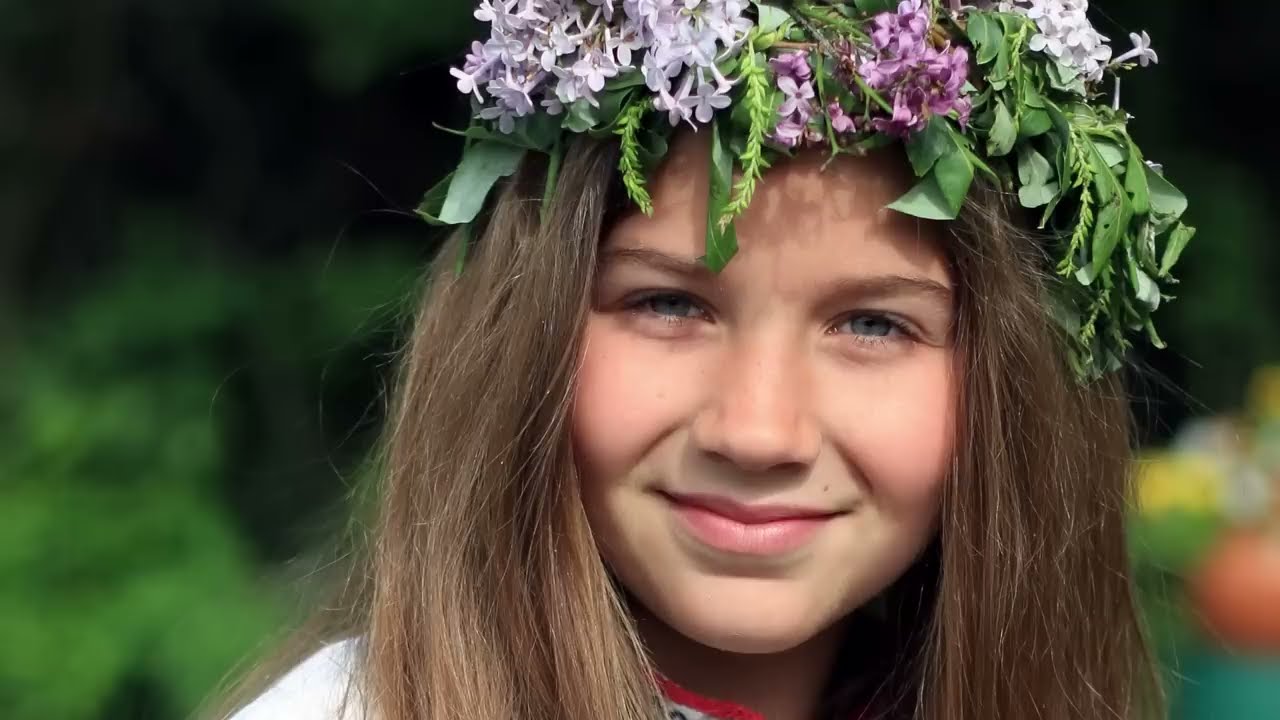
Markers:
205,253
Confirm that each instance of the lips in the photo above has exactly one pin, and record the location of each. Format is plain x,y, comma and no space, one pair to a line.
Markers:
754,514
731,527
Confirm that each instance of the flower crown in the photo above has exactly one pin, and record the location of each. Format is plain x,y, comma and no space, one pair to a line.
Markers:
1015,90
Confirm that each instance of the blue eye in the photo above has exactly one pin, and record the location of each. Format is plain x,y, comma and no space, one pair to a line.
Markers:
669,305
869,326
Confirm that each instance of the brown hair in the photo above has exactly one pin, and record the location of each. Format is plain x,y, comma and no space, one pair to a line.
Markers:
486,597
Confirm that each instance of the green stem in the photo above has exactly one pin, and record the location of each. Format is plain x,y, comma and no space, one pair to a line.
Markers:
829,19
869,92
553,174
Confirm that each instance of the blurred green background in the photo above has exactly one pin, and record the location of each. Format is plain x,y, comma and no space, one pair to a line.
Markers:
205,258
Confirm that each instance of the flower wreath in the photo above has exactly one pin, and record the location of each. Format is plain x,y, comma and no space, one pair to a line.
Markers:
1010,89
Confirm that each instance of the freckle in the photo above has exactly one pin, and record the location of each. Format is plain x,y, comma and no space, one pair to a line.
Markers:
826,488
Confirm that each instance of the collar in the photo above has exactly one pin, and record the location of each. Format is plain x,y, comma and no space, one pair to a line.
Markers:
684,704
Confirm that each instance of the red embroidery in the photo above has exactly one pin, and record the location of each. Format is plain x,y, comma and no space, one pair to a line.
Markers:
719,709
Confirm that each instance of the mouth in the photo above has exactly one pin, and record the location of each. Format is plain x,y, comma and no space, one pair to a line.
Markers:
737,528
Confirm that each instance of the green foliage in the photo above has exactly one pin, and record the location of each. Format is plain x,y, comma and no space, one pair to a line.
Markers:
629,163
722,240
761,119
121,562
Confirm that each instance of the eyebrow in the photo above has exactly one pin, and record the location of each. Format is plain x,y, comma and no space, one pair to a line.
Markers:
683,266
879,287
876,287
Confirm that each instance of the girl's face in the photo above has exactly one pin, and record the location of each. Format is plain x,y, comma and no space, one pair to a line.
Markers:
762,450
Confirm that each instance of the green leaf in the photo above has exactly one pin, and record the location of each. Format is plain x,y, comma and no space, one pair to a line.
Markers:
1065,78
1034,121
627,78
1003,133
482,165
1144,288
925,147
986,35
1135,182
1112,153
1178,240
954,174
770,17
532,132
1033,196
1144,246
1108,231
582,116
873,7
1053,203
1033,168
432,203
1165,198
611,105
1104,180
721,244
925,200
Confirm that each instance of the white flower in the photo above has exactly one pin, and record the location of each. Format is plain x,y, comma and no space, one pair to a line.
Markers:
1141,50
1065,33
706,102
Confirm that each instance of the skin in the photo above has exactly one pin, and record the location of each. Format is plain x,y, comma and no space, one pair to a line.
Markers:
816,370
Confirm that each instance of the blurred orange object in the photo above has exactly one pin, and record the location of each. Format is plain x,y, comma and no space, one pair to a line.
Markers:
1235,589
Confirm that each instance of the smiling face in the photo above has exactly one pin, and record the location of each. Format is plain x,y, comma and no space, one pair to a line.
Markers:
762,450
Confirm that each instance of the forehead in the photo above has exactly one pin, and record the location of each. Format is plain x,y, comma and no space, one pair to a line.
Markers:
806,222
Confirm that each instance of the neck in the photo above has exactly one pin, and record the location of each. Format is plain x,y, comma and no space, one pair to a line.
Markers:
787,685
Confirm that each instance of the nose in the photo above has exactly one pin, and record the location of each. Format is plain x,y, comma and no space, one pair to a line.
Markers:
757,414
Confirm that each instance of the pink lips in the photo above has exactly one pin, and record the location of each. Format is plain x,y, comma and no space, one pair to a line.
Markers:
733,527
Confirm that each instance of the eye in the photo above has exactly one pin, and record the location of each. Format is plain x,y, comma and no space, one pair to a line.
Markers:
668,305
871,327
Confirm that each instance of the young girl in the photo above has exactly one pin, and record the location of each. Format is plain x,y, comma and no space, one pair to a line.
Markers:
721,405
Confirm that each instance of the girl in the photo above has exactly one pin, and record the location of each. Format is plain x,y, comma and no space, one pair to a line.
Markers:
729,408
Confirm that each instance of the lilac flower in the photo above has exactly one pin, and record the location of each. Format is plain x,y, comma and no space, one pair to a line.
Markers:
474,72
626,41
1065,33
706,101
505,116
792,73
788,132
841,122
794,65
798,97
606,6
542,55
1141,50
676,105
595,67
920,79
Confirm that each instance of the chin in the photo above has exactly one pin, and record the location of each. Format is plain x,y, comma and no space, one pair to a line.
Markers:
749,615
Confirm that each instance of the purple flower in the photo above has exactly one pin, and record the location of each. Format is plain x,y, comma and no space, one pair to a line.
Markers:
841,122
596,67
792,74
921,79
542,55
798,96
793,65
676,105
788,132
707,100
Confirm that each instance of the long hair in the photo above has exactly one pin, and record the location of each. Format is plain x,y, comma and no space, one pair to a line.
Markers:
486,596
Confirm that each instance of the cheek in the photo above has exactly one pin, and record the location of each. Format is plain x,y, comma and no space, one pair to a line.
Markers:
900,436
629,394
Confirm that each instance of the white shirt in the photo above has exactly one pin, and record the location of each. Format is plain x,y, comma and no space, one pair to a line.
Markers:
312,690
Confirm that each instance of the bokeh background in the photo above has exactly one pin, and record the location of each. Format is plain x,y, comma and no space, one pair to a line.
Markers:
205,255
